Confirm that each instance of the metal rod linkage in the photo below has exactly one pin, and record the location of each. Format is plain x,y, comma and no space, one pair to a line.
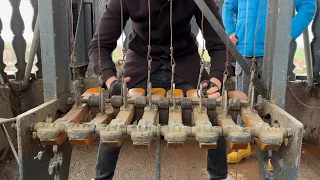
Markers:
33,50
178,101
4,120
14,152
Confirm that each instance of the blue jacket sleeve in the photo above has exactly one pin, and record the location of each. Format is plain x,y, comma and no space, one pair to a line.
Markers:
306,10
229,11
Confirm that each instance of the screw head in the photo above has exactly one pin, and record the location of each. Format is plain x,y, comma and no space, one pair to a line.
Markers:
34,135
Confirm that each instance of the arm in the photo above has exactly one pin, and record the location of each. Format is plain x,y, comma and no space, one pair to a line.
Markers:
229,11
306,10
216,48
110,31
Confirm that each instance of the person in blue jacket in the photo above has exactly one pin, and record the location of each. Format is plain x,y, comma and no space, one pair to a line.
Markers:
245,23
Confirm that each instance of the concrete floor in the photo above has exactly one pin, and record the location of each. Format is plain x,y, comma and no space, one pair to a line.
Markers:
188,163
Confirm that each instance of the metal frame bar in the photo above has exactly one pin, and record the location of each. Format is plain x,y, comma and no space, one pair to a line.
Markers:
286,160
308,55
232,48
277,47
55,47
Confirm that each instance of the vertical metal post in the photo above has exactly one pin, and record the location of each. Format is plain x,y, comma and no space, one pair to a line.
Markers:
277,43
307,53
55,47
293,48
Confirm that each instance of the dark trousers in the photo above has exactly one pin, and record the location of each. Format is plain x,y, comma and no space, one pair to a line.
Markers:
216,159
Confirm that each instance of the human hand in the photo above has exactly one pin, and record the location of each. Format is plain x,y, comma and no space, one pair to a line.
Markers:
213,86
233,38
114,85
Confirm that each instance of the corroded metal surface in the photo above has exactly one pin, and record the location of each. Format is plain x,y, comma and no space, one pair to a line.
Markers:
268,137
55,133
85,134
112,134
289,154
28,147
237,137
143,134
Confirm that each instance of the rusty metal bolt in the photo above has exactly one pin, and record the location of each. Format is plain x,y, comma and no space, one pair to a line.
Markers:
186,103
116,101
269,153
52,168
70,100
55,149
140,102
211,103
39,156
34,135
281,164
234,104
163,103
289,133
93,100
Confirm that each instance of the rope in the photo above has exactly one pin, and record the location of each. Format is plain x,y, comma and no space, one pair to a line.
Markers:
73,55
122,62
149,58
3,97
173,63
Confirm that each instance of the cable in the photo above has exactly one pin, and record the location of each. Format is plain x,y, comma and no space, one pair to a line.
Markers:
310,107
8,102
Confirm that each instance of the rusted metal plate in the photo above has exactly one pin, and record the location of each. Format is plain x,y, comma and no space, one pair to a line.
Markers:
157,93
238,95
192,94
236,136
178,93
28,148
286,160
115,143
90,135
141,145
90,92
143,134
175,116
125,116
176,136
56,141
75,115
134,92
112,134
205,136
208,145
46,135
252,119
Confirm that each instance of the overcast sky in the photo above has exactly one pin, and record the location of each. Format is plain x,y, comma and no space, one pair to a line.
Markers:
27,14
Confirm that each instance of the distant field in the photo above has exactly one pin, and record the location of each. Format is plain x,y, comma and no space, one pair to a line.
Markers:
299,60
10,59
